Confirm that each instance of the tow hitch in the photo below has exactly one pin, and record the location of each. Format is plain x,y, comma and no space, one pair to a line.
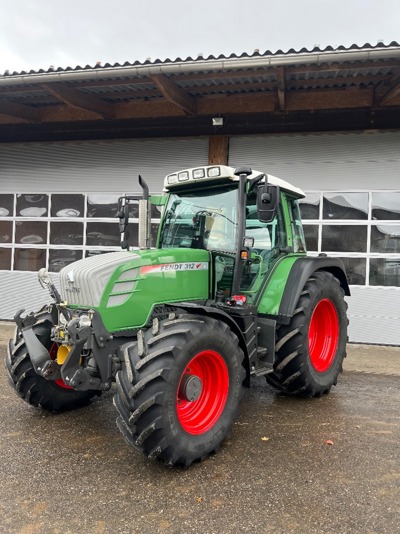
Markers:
80,335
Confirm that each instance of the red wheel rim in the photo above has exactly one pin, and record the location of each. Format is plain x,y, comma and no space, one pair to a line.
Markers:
323,335
53,355
200,415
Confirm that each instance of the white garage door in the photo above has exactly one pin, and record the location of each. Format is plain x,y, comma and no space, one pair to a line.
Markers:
58,203
352,211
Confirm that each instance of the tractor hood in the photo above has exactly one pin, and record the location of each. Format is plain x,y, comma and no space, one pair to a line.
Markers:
125,286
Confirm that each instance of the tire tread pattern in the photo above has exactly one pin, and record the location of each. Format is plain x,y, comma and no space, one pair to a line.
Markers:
293,373
145,377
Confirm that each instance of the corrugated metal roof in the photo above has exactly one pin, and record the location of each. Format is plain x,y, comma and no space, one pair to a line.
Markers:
189,59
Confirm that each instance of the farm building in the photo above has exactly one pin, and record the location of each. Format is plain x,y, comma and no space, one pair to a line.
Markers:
73,140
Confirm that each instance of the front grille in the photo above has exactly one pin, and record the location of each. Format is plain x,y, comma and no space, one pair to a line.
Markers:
82,283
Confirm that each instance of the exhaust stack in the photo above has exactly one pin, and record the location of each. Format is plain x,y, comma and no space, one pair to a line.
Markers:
144,233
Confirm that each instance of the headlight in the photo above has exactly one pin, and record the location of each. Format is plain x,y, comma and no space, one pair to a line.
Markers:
183,176
214,171
84,320
198,173
172,179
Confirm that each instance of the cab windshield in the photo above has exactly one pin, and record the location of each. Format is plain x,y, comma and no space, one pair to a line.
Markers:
204,219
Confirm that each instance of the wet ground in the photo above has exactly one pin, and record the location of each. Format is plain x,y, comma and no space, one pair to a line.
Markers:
328,465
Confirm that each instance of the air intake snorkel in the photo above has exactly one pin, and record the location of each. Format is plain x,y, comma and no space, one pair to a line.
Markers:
144,216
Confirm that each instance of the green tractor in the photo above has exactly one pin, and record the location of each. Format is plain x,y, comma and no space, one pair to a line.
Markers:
227,292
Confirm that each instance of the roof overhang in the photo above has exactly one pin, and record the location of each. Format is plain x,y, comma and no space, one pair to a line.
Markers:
353,88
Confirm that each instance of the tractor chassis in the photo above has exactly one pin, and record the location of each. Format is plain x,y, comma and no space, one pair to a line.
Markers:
256,337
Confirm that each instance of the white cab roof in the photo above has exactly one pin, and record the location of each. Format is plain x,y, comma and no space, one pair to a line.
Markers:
214,173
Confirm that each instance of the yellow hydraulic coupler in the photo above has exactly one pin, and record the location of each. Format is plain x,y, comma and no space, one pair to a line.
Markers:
62,353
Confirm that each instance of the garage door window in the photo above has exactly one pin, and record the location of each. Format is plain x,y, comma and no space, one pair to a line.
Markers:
54,230
360,227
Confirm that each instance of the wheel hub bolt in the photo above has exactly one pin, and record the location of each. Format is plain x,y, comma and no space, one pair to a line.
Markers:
191,388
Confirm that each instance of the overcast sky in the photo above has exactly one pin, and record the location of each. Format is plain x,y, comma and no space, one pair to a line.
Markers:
36,34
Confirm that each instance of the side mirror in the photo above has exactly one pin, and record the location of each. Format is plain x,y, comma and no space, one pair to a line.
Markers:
123,214
267,202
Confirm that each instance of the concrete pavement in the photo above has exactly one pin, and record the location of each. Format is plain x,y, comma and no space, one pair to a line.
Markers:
315,466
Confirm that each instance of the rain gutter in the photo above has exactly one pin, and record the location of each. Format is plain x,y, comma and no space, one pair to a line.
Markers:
210,65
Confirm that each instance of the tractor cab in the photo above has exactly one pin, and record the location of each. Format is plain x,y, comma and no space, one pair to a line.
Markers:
236,215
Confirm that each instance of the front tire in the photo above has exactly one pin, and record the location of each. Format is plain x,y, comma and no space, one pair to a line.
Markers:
310,350
179,389
52,396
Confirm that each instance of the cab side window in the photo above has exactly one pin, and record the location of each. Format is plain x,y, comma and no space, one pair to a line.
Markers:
299,243
266,235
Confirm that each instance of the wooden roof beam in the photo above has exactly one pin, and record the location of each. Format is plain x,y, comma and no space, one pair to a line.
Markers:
391,92
19,111
78,99
173,93
349,98
208,106
281,88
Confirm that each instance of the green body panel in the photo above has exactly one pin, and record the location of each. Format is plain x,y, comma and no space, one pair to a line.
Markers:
271,296
164,275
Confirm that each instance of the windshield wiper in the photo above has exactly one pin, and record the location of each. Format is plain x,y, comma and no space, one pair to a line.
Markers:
210,212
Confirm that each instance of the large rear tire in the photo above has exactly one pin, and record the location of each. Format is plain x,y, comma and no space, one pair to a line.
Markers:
310,350
179,389
52,396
